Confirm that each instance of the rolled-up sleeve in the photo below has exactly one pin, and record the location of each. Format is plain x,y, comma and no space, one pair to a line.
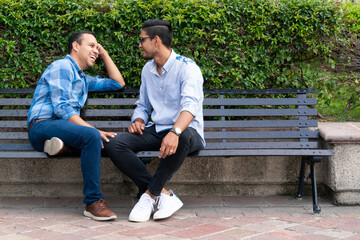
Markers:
102,84
192,90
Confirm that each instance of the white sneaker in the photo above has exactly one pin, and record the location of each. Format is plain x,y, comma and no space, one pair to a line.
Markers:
54,146
143,209
167,205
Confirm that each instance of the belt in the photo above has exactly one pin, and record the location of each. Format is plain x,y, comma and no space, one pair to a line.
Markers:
37,120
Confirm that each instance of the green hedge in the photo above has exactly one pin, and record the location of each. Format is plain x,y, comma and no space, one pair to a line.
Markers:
237,44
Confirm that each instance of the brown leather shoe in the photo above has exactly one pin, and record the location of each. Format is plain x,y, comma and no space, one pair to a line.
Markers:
99,211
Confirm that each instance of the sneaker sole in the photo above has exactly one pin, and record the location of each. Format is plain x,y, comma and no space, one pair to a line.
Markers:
132,219
138,220
88,214
53,146
156,217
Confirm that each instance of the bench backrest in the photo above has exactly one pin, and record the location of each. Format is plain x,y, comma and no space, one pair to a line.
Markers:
234,119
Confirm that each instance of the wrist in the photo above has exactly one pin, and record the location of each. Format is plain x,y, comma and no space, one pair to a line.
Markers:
176,131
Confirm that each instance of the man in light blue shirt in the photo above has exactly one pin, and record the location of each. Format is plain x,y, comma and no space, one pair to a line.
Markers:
171,93
54,116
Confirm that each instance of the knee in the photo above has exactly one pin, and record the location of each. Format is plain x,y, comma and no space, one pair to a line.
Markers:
92,136
115,145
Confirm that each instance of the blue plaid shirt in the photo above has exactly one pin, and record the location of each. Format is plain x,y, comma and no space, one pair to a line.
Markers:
63,88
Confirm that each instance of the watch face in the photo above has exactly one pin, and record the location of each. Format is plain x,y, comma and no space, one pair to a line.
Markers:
178,131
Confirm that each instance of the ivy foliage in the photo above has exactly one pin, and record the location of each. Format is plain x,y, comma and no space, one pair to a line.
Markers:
237,44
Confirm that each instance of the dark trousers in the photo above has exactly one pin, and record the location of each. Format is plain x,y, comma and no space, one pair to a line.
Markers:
123,147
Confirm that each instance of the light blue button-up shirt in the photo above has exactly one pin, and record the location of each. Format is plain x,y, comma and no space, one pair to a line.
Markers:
63,89
179,88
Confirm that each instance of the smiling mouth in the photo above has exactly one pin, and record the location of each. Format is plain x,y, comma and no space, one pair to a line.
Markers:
93,58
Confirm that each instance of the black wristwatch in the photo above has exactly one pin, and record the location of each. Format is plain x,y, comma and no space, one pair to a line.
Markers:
176,130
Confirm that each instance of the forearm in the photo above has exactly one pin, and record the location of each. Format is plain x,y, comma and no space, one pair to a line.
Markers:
111,69
184,120
79,121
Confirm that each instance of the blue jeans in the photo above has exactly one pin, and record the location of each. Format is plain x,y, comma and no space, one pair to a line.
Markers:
123,147
86,140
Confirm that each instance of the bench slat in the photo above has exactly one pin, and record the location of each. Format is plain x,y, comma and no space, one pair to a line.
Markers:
257,152
111,101
258,145
13,135
259,112
97,124
23,155
15,101
16,147
259,123
261,134
258,101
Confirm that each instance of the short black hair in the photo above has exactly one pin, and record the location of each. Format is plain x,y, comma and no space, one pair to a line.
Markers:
161,28
77,37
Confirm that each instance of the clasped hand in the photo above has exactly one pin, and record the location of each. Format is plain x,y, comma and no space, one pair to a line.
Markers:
169,143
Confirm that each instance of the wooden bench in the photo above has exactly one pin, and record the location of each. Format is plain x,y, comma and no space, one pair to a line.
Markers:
268,122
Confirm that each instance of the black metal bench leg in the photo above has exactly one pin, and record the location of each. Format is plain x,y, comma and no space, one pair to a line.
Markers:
300,192
316,207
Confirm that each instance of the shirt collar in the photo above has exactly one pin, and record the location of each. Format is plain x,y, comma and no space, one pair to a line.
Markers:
170,61
78,69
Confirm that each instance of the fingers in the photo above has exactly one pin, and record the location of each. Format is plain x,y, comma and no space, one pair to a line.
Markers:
166,151
136,127
168,146
106,135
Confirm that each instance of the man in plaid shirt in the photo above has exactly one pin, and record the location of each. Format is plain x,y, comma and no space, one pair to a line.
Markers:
54,120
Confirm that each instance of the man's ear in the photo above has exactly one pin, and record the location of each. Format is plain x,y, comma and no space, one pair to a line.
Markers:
157,40
75,46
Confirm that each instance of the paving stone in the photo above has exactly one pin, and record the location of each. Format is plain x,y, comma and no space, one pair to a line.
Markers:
15,237
326,222
201,201
232,234
286,234
65,228
164,237
42,234
239,201
115,236
199,231
148,231
336,233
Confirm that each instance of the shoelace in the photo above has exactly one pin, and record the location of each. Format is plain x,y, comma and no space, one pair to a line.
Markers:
159,200
101,203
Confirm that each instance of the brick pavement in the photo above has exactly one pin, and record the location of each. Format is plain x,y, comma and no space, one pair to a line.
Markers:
214,217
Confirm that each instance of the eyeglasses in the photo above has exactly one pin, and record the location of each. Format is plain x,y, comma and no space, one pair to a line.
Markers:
142,39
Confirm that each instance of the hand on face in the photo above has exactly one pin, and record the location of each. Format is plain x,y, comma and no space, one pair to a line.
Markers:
101,49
